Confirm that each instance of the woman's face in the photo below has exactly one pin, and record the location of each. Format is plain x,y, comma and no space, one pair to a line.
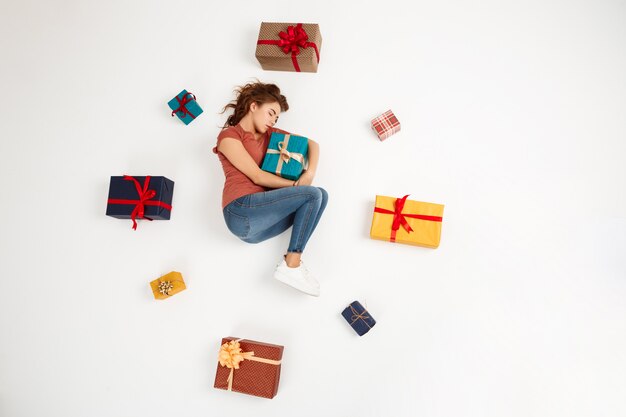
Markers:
264,115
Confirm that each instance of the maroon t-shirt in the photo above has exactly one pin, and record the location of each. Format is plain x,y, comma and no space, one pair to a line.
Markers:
237,184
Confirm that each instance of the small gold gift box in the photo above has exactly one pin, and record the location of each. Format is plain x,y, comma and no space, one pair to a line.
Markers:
167,285
407,221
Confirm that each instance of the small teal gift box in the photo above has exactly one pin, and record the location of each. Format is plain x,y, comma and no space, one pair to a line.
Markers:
286,155
184,106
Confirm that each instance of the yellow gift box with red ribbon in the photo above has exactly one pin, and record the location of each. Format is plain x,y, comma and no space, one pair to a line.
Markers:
407,221
167,285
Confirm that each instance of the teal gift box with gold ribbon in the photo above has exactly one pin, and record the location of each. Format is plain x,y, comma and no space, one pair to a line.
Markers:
286,155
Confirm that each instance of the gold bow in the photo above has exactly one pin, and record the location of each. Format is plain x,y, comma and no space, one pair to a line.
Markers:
285,156
356,315
231,355
165,287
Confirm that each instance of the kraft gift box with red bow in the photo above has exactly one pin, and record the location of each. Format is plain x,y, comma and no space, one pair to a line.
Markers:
286,155
249,367
185,106
289,46
135,198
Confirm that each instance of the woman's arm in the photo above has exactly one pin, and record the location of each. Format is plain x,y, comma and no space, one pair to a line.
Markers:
314,155
234,151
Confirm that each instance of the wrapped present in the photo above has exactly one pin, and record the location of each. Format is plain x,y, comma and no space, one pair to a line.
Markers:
249,367
407,221
286,155
167,285
386,125
185,106
289,47
358,317
134,198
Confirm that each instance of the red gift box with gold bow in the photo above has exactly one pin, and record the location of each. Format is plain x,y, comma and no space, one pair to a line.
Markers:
249,367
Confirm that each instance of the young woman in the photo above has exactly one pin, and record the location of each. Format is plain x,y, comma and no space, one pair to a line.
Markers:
258,205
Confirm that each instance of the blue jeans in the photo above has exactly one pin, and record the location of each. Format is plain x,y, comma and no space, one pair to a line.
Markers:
256,217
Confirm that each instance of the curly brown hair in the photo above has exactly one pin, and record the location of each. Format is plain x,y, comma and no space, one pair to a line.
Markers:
257,92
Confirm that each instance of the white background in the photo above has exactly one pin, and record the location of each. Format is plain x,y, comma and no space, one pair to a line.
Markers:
513,116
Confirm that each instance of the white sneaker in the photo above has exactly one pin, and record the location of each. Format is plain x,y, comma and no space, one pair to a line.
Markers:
298,278
309,276
307,273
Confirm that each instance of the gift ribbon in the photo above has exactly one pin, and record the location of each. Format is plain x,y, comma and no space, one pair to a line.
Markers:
285,156
145,197
231,355
399,218
292,41
356,316
182,105
165,287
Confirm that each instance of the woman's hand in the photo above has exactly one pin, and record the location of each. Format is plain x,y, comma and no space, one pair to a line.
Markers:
306,178
314,153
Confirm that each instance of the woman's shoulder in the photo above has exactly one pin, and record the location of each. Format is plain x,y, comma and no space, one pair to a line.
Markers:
235,132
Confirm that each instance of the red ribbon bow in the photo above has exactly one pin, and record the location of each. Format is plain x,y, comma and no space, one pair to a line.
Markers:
145,196
399,218
182,105
291,41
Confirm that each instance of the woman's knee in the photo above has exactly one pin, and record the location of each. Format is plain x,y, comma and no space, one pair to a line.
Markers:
313,192
324,194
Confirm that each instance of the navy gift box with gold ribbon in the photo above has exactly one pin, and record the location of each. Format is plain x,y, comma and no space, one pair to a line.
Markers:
358,317
140,198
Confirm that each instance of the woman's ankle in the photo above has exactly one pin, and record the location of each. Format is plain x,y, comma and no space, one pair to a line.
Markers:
292,259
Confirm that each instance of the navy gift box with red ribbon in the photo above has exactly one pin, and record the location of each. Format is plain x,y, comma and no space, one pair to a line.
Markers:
135,198
184,106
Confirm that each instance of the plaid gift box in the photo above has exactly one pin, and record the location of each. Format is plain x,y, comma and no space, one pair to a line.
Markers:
407,221
289,46
386,125
134,198
167,285
358,317
249,367
184,106
286,155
